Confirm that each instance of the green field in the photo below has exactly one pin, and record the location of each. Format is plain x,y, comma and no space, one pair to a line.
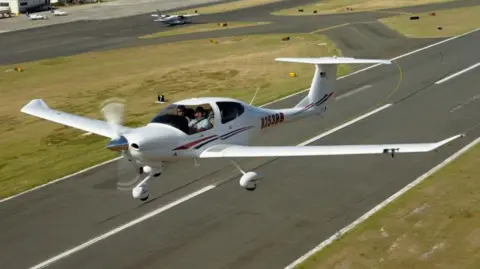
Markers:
434,225
349,6
35,151
207,27
452,21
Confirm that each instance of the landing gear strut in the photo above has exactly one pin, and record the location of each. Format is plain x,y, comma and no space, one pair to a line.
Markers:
141,190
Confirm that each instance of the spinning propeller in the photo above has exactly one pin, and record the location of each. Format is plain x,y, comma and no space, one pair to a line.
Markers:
113,111
128,171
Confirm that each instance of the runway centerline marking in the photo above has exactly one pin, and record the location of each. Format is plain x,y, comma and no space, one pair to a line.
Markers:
458,73
185,198
470,100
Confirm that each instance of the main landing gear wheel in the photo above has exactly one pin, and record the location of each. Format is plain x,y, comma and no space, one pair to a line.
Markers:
252,188
141,190
249,179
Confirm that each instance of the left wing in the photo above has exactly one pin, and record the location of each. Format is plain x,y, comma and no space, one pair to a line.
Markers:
219,151
38,108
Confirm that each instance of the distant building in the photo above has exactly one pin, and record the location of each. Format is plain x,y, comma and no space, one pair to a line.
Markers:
21,6
5,7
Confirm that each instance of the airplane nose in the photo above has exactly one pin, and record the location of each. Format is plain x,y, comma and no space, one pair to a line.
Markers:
119,144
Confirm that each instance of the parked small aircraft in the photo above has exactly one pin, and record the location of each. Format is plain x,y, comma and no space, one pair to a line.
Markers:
219,128
35,17
57,12
173,19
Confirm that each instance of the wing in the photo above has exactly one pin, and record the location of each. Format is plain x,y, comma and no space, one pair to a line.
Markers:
191,15
219,151
38,108
166,20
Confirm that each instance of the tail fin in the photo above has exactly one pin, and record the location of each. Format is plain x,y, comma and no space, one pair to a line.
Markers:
322,88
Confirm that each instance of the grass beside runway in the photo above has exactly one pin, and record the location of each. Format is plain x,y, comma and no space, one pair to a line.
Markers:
452,21
434,225
225,7
350,6
207,27
35,151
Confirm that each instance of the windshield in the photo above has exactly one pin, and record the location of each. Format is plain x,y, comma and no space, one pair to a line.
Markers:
186,118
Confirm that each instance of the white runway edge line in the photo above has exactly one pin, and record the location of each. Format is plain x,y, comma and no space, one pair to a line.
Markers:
184,199
458,73
367,215
278,100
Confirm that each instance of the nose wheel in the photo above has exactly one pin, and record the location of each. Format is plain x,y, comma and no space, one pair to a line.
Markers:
141,190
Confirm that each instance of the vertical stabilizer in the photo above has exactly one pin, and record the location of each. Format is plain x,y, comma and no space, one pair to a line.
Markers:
323,82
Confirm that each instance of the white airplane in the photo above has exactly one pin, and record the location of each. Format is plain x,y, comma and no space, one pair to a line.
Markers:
57,12
167,138
173,19
37,17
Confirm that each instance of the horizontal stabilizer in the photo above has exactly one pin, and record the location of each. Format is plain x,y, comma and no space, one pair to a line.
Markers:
219,151
38,108
332,60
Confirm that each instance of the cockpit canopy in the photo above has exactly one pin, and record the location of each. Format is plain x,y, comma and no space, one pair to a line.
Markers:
196,118
187,118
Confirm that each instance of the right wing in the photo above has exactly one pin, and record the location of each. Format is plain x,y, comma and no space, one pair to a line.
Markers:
219,151
38,108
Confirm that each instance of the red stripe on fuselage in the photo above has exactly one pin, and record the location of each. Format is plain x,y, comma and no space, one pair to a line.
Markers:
191,144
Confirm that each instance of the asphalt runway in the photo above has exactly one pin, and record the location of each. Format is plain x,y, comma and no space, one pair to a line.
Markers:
96,35
301,202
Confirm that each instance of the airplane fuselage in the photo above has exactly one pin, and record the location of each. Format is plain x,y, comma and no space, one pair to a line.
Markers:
159,143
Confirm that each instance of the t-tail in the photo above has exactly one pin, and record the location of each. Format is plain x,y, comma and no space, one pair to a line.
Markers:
322,87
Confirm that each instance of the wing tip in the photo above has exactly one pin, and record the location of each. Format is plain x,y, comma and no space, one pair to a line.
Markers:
34,104
450,139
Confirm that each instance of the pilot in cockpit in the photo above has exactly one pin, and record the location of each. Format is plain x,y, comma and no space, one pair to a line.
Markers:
182,111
